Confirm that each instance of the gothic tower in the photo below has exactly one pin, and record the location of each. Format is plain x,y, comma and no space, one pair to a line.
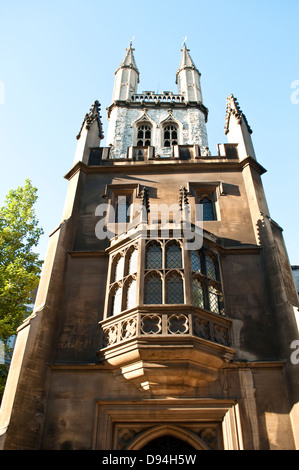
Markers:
166,316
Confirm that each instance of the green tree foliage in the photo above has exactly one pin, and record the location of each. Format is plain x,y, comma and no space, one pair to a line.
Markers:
20,266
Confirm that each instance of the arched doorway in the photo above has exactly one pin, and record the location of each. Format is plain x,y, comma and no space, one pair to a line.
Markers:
168,438
166,444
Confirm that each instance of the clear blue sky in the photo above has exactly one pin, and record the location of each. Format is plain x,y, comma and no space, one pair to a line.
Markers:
57,57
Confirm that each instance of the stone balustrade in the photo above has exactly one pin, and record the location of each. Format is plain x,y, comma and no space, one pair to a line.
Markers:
139,324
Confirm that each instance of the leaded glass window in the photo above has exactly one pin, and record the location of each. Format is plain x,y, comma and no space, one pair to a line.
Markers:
153,256
119,269
198,296
207,209
210,268
133,259
214,299
116,301
173,256
174,289
195,261
131,294
153,289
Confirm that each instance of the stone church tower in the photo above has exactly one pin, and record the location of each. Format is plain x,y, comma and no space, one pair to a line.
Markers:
166,313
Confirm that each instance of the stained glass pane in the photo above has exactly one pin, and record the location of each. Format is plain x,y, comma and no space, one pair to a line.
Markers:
214,299
174,289
210,268
153,289
119,269
207,209
133,262
116,301
154,256
131,295
173,256
198,300
195,261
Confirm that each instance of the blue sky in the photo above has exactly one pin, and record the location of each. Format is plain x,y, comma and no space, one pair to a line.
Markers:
57,57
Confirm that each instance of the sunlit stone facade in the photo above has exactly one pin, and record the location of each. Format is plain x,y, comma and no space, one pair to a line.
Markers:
166,313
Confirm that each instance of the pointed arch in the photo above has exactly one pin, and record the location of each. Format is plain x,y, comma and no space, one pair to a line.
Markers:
171,131
174,258
174,288
148,131
153,293
176,431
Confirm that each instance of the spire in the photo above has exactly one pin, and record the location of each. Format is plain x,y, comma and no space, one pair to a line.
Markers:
186,60
126,77
188,77
129,59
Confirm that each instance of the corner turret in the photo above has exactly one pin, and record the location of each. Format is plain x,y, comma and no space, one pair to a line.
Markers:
188,78
126,77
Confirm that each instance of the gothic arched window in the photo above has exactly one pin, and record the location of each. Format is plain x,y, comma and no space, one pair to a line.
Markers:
153,256
197,293
173,256
116,301
119,268
211,268
195,261
144,135
214,299
131,294
132,262
174,288
170,135
206,284
153,289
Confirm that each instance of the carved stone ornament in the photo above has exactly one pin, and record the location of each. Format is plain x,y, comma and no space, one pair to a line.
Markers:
233,108
93,115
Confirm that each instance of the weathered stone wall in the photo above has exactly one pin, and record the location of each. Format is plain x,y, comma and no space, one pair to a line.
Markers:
191,121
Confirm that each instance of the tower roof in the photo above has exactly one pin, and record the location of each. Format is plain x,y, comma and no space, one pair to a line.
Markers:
129,60
186,60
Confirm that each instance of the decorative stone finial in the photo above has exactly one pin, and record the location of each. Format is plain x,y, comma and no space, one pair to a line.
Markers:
93,115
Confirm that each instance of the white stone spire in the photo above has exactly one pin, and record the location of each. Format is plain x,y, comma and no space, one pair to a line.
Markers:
126,77
188,78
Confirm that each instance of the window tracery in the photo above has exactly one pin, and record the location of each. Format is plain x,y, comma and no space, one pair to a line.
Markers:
170,135
123,285
174,288
170,276
206,285
144,135
153,288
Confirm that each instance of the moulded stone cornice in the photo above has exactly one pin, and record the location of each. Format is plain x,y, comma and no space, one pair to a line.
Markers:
154,104
173,165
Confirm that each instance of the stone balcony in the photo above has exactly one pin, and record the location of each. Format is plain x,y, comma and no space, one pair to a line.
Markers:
171,349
